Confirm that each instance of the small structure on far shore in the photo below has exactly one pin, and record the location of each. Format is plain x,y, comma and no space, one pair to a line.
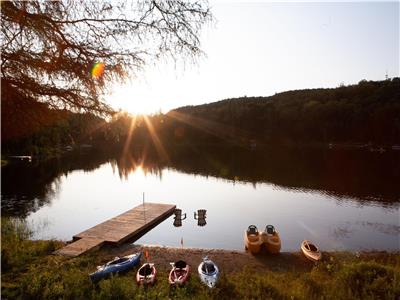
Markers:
21,157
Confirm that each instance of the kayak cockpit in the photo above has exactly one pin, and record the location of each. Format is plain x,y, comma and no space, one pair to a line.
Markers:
146,270
252,230
208,268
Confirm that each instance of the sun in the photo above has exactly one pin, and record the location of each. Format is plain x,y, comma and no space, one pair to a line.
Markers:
135,99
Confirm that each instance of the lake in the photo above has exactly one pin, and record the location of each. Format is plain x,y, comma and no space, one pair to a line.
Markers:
341,199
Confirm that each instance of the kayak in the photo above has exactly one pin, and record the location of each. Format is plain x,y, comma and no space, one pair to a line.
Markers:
252,239
146,274
311,251
115,266
271,239
179,273
208,272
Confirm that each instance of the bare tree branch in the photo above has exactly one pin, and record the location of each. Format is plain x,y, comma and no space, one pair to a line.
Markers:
49,47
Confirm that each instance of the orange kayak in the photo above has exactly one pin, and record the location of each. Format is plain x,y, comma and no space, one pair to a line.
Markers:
252,239
271,239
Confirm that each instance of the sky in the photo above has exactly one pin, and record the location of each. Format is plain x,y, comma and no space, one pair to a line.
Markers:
262,48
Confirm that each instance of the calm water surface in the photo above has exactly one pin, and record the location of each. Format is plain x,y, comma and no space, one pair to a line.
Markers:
300,194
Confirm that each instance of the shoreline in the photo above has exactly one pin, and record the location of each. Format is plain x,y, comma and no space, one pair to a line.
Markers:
30,270
232,261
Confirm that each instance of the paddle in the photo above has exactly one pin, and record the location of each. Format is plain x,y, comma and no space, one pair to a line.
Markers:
146,254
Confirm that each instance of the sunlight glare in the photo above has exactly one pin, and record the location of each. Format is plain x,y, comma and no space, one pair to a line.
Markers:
129,137
135,99
156,140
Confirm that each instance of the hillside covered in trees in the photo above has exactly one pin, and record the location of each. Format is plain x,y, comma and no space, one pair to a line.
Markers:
366,113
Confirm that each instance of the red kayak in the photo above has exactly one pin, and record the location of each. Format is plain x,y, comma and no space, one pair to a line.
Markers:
146,274
179,273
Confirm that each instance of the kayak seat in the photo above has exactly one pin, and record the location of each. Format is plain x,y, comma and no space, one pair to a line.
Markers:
208,268
312,248
180,264
252,230
145,271
117,260
270,229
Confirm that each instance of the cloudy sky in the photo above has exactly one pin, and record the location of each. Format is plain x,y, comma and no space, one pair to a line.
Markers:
262,48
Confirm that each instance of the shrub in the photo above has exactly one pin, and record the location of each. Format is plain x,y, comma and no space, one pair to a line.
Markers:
368,280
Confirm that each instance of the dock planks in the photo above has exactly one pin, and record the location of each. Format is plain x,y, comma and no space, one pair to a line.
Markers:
119,229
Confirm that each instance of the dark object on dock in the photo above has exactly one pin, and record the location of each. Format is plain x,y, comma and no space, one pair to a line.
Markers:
177,222
178,214
200,216
201,222
178,217
130,225
117,265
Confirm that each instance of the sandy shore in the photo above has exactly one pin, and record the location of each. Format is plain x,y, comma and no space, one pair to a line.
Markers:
231,261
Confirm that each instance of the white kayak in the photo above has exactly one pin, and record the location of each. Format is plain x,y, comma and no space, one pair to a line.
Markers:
208,272
310,251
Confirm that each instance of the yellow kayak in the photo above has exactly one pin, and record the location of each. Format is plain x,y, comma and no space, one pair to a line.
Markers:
310,251
271,239
252,239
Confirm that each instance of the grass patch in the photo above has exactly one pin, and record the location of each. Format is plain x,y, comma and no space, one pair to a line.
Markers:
29,271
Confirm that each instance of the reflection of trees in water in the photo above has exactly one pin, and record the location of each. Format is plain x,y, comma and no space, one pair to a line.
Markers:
346,230
389,229
366,177
130,162
362,175
25,187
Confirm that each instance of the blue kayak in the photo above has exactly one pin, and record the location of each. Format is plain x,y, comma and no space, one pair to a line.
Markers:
115,266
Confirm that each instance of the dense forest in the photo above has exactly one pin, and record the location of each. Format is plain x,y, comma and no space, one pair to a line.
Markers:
364,114
368,112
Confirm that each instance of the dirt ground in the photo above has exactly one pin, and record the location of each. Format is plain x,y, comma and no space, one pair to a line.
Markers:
228,261
231,261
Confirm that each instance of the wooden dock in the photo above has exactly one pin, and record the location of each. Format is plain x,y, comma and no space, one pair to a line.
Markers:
127,226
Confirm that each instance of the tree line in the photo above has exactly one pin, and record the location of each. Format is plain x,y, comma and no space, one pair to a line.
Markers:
368,112
365,113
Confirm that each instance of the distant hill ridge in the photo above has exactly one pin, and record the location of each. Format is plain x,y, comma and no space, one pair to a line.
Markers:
366,112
